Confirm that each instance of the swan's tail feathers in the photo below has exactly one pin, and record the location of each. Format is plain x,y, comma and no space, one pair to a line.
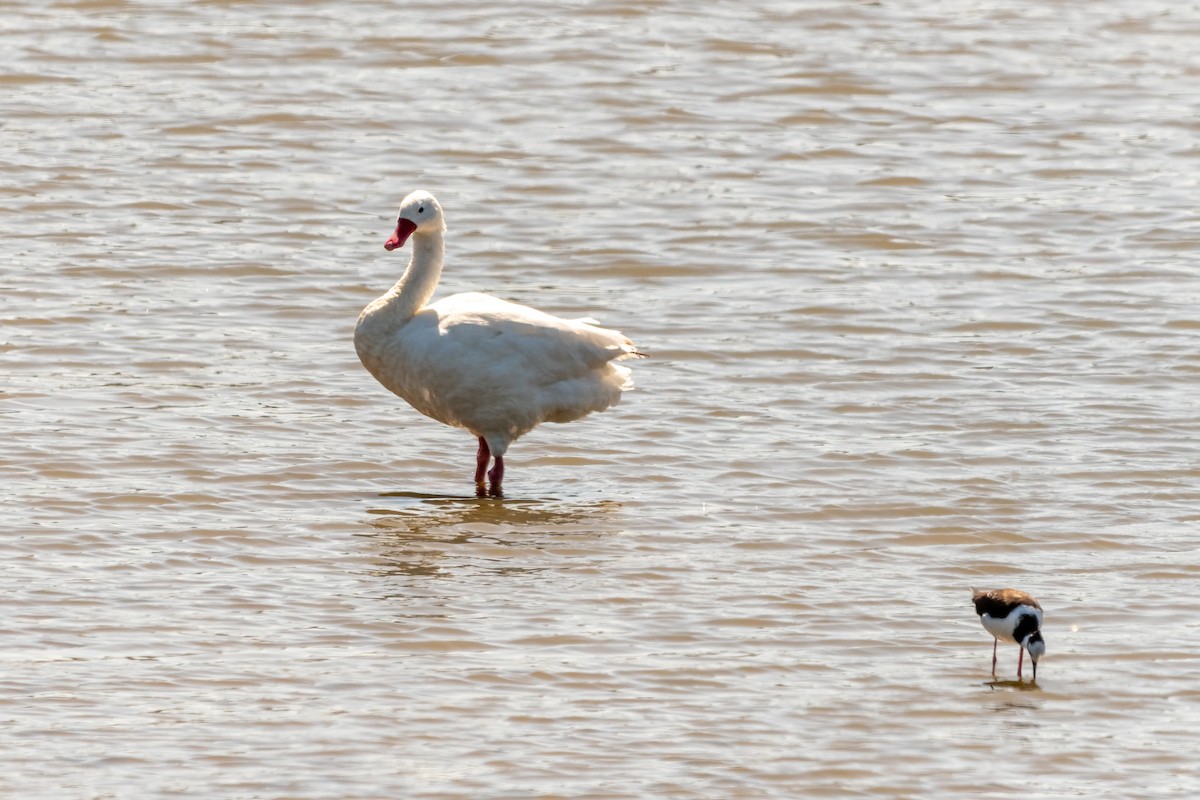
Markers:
624,381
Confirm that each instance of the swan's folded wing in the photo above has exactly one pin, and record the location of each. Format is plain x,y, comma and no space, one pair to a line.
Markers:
541,347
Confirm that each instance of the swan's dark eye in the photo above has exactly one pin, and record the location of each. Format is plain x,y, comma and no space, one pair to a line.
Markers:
420,209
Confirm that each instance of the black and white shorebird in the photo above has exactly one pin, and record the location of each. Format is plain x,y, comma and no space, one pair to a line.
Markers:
1013,616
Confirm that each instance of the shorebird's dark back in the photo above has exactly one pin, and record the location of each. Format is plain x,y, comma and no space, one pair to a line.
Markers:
999,603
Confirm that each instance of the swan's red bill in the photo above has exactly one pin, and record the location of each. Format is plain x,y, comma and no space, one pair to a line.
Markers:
404,229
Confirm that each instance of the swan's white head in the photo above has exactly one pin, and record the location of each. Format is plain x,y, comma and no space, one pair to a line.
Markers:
419,213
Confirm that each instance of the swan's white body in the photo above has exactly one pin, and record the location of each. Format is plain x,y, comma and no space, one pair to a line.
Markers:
495,368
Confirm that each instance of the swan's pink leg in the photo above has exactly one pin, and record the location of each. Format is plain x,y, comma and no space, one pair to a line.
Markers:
995,644
1020,661
481,462
497,475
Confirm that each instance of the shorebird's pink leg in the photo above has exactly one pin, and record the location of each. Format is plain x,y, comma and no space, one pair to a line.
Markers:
481,464
497,475
995,644
1020,661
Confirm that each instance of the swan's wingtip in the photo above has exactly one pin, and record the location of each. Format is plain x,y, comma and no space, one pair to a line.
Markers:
629,351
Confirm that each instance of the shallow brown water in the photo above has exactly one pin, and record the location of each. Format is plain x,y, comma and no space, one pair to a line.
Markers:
920,291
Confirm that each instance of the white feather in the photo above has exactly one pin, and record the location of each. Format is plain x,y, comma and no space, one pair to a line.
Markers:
1004,627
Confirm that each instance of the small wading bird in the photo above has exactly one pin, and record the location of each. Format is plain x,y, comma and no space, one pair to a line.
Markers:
495,368
1011,616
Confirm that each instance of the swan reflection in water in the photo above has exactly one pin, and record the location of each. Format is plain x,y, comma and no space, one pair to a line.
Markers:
422,534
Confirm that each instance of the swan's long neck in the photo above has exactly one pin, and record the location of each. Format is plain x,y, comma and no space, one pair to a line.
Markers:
417,284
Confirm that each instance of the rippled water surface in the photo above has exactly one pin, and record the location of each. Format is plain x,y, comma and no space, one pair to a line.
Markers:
920,288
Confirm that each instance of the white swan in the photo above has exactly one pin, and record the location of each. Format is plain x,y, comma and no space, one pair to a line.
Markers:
495,368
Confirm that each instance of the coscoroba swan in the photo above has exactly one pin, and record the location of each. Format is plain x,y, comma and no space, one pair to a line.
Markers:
495,368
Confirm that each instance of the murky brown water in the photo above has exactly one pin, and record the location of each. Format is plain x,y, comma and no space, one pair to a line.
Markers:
920,287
